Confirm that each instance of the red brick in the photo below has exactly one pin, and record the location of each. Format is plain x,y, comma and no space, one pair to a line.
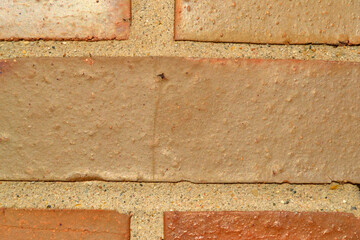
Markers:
26,224
64,19
261,225
268,21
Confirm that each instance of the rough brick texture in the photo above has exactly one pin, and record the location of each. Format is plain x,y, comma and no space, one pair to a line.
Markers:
268,21
171,119
73,118
64,19
29,224
261,225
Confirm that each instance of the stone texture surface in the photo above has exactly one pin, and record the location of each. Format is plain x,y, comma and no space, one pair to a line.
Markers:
268,21
26,224
65,19
173,119
260,225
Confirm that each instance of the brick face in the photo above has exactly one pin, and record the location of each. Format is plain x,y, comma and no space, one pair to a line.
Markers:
172,119
76,118
258,121
260,225
26,224
268,21
65,19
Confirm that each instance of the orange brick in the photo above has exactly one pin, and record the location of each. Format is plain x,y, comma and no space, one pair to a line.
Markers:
31,224
261,225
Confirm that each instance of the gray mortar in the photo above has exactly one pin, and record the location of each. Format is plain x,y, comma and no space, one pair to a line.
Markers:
152,35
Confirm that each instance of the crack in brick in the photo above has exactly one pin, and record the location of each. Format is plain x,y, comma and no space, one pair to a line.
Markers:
161,78
153,144
161,126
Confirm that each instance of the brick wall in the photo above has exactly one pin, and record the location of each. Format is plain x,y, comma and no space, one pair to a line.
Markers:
130,100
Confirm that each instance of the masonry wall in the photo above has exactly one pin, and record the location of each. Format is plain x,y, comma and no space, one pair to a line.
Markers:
328,150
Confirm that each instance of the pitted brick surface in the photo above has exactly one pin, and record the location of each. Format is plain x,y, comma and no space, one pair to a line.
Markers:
261,225
77,118
31,224
65,19
258,121
268,21
172,119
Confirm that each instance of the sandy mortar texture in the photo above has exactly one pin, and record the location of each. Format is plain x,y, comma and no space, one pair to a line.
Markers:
152,35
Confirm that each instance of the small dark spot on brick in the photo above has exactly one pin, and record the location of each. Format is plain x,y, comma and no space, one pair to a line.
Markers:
161,75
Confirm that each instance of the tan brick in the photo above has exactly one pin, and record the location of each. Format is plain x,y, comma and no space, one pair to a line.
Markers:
172,119
268,21
64,19
74,118
258,121
26,224
261,225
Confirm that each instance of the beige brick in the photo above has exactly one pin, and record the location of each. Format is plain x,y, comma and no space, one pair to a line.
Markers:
268,21
64,19
73,118
172,119
258,121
